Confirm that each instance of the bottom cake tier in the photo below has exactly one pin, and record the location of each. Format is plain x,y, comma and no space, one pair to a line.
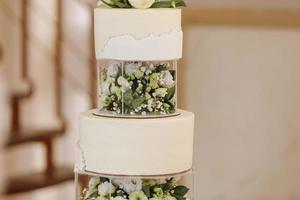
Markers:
90,186
159,146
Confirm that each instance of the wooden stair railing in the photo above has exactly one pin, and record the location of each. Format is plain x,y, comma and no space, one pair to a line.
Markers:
53,174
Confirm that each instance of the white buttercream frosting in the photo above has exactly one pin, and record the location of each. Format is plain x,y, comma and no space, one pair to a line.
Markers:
137,146
138,34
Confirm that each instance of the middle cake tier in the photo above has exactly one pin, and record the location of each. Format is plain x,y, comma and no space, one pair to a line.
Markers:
136,147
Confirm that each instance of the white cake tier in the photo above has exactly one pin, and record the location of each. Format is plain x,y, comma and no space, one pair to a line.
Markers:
136,146
138,34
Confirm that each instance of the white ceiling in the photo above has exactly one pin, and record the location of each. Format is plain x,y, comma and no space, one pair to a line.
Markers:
266,4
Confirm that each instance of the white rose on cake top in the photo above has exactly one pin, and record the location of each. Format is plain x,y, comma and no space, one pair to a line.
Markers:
105,189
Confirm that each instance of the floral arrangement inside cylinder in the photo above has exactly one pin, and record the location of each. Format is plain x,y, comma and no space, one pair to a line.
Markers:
137,88
126,188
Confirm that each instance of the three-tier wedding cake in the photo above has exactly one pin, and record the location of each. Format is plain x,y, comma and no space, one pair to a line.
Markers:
136,144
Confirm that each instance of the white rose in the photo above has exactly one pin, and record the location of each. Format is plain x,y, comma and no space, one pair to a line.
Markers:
130,68
141,4
161,92
166,79
112,71
138,73
105,88
105,188
123,82
129,186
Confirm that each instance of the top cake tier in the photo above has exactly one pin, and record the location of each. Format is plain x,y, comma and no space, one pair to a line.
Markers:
138,34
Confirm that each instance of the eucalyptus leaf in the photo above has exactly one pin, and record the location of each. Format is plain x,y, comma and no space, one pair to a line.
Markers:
160,68
180,190
170,93
128,97
169,4
108,4
173,73
146,190
137,102
165,186
103,179
120,4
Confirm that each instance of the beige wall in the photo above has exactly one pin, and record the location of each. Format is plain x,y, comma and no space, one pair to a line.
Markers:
268,4
243,85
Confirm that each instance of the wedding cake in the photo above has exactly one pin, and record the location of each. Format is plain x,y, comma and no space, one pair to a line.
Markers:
136,144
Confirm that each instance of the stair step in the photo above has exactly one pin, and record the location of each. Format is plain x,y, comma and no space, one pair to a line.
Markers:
39,135
39,180
22,92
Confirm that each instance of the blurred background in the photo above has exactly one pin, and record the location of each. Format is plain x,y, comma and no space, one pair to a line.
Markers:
240,75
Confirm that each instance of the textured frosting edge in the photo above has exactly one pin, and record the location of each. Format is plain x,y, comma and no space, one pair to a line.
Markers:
163,46
137,24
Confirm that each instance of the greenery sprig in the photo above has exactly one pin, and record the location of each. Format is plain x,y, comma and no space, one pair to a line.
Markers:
142,3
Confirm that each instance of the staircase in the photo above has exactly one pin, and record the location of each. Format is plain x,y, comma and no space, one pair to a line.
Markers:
53,173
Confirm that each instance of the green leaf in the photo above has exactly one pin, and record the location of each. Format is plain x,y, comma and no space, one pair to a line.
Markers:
160,68
169,4
103,179
137,102
128,97
120,4
173,73
170,93
178,197
180,190
162,4
108,4
146,190
165,186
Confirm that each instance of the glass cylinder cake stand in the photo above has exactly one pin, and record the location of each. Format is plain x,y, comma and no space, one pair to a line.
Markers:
92,186
137,89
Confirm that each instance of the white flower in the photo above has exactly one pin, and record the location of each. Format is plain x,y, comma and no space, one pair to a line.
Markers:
105,88
151,66
123,82
112,70
128,185
148,72
138,196
130,68
118,198
138,73
166,79
141,4
143,69
105,188
161,92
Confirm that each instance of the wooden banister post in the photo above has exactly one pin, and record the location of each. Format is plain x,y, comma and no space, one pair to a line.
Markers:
93,69
49,155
